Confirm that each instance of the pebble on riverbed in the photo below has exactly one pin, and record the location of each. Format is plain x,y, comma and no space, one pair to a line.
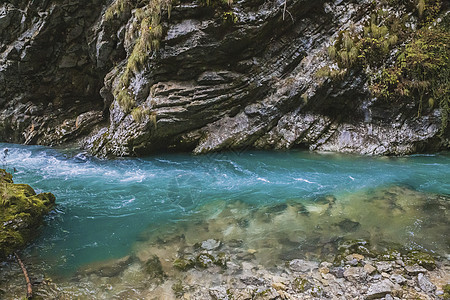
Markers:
201,276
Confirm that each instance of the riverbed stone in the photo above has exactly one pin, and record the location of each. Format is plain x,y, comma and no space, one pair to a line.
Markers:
388,297
420,258
210,244
300,265
397,278
253,280
415,269
338,272
384,266
425,284
369,269
219,293
380,289
355,274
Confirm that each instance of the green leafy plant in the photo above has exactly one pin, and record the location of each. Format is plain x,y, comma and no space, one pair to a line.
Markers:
421,68
421,71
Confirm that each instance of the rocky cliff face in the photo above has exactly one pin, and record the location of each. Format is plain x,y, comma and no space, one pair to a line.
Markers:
220,76
49,81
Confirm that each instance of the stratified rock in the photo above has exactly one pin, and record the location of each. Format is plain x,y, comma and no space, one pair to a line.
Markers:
49,78
251,83
249,80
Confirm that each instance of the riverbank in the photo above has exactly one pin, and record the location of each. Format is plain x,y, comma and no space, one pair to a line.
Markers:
218,271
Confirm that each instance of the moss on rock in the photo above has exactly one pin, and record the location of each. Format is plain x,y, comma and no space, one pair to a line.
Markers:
420,258
21,213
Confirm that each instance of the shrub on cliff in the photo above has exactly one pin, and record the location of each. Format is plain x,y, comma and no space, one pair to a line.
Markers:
421,71
401,62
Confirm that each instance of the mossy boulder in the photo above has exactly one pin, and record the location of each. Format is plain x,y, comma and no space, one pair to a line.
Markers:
21,213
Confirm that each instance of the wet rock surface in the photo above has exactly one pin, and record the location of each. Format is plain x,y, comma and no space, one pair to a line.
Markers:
212,85
49,82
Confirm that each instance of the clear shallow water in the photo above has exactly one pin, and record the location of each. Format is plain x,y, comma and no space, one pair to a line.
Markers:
105,208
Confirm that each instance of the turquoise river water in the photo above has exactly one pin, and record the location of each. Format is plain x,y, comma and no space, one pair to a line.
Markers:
107,209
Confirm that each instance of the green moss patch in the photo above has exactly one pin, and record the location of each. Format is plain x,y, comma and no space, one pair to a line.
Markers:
21,213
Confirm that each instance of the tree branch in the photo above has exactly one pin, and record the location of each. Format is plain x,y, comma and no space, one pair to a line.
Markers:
25,273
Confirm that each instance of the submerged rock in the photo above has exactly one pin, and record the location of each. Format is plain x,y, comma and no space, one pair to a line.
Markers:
210,244
154,268
21,213
108,268
184,264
